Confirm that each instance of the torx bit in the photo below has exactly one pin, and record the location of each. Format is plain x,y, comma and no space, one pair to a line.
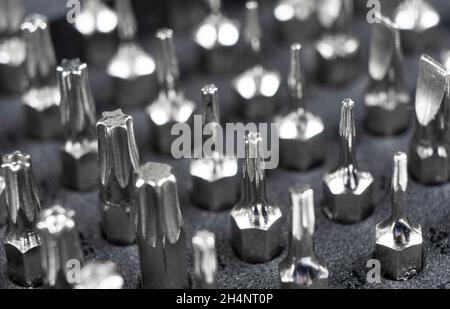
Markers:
398,242
418,22
12,47
132,69
338,49
217,37
61,248
171,106
22,242
79,154
42,99
257,87
100,276
348,190
205,260
429,148
301,132
214,177
387,99
97,24
160,229
118,159
255,221
302,269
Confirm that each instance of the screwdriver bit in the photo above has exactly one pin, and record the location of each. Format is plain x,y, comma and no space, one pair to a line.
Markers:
302,269
255,221
118,159
160,230
100,276
446,60
205,260
3,207
398,242
387,100
60,246
22,242
12,47
297,19
214,177
301,132
429,148
79,154
418,22
337,49
257,87
97,24
348,190
42,99
217,37
132,69
171,106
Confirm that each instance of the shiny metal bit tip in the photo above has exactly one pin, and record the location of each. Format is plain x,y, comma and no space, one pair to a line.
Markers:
205,260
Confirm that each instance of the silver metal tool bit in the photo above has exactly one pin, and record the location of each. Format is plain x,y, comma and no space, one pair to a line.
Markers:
205,260
61,248
132,69
79,153
255,221
118,159
217,37
256,87
418,22
12,47
22,242
160,230
302,269
301,132
337,49
3,207
446,59
42,99
100,276
347,189
387,99
297,19
214,177
97,24
398,242
171,106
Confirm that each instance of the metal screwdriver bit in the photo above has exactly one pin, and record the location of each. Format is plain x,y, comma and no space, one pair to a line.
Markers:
217,37
256,87
12,47
387,100
338,49
446,60
398,242
205,260
348,190
301,132
215,177
97,24
255,221
42,99
429,149
118,159
3,207
418,22
302,269
60,246
100,276
22,242
171,106
132,69
160,228
79,154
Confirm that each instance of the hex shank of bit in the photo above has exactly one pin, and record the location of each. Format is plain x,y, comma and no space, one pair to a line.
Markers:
167,64
160,233
347,131
205,260
60,246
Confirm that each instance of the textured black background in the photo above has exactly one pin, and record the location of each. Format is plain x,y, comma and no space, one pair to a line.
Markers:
346,249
